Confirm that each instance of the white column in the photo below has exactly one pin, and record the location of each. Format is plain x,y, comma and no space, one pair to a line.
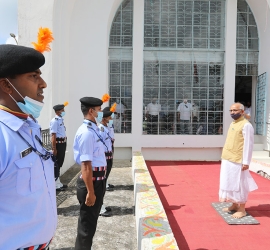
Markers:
137,78
253,101
230,60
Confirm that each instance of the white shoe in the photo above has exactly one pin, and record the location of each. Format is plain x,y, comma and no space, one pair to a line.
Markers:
58,183
102,210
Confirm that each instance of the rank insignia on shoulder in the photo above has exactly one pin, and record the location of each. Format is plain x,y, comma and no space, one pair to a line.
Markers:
56,119
102,129
26,152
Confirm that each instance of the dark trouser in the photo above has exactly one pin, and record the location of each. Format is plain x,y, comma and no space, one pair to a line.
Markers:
109,167
87,222
60,157
152,125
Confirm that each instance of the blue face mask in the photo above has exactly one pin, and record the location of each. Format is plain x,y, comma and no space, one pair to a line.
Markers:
112,116
110,123
99,117
30,107
63,113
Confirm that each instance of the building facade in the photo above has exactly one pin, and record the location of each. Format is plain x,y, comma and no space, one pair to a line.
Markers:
150,56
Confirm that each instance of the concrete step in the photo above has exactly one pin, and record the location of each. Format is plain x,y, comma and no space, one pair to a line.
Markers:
258,147
260,165
260,155
258,139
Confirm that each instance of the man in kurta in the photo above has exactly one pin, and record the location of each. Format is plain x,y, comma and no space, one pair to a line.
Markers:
235,179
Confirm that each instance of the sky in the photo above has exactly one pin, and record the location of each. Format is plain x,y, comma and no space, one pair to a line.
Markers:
8,20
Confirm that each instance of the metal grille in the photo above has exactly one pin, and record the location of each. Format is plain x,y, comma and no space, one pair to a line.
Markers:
183,59
121,93
121,30
120,66
46,140
199,79
261,90
247,41
184,24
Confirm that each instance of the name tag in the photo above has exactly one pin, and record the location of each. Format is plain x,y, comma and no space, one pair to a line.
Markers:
26,152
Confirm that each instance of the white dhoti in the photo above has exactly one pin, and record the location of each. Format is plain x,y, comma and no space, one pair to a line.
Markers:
235,184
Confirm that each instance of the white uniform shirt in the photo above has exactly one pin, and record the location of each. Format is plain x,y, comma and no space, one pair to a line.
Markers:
153,109
28,215
185,110
248,111
120,108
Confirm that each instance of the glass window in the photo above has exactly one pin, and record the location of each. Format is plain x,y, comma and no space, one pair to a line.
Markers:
183,67
247,41
120,66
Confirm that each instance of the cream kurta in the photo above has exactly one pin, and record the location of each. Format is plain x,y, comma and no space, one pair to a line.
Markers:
235,184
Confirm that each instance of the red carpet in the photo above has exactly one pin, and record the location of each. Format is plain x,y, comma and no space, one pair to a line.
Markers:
187,190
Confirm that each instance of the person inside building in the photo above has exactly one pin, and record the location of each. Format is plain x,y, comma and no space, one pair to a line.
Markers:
59,142
248,111
235,179
119,117
184,115
108,146
28,212
90,154
152,115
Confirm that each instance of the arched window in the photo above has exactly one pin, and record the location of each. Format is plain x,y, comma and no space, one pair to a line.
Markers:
120,66
247,42
183,60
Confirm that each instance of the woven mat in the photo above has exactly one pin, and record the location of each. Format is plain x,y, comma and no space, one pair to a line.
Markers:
246,220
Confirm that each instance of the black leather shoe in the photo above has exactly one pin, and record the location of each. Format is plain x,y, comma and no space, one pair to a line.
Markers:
60,189
65,186
111,185
109,189
108,209
106,214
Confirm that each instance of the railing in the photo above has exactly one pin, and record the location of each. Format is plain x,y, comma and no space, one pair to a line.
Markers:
45,134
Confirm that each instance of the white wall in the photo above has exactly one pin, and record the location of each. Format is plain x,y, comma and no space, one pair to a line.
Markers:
77,66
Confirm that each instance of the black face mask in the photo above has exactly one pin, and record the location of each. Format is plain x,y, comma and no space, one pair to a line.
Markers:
236,116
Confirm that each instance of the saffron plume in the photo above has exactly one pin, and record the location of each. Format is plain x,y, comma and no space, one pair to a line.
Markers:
113,107
44,39
105,98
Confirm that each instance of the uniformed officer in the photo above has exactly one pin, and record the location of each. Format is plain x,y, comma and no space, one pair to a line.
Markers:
90,154
108,143
109,187
28,217
59,142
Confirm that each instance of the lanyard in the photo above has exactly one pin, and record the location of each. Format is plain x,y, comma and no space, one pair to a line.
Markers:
44,157
109,136
89,124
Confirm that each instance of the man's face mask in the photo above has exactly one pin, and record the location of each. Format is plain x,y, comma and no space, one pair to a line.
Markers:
236,116
99,116
30,107
110,123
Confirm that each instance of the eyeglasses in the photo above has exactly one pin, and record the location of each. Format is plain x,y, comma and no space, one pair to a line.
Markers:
234,110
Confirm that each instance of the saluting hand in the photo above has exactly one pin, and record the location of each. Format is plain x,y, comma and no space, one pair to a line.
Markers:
90,199
245,167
